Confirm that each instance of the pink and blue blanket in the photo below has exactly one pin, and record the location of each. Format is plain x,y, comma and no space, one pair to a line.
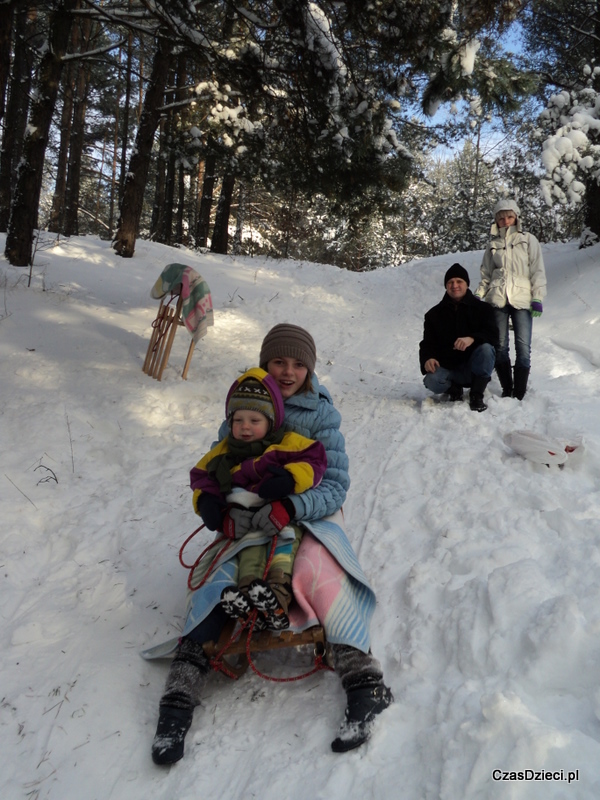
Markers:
329,587
197,307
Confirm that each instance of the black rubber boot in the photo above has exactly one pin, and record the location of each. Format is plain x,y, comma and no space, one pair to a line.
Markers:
455,393
478,384
182,692
521,378
505,376
173,724
364,703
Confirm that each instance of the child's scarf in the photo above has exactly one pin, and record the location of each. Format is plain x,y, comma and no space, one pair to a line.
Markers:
237,451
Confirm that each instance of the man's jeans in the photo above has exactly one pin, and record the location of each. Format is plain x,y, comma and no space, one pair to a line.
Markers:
481,363
522,325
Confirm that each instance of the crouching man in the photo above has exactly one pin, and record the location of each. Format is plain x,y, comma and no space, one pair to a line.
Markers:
459,342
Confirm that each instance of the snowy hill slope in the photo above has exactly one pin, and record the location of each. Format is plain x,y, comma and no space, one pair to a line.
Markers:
486,566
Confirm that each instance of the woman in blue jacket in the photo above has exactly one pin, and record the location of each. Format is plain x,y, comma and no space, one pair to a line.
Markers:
288,353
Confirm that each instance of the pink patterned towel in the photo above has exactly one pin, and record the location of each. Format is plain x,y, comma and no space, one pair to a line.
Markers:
197,307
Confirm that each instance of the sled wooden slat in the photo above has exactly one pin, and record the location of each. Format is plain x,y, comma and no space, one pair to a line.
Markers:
260,642
164,329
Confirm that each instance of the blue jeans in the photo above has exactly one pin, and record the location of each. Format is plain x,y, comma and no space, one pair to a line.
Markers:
480,363
522,325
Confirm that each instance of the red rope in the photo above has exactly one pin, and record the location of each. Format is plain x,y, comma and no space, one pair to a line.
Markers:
193,566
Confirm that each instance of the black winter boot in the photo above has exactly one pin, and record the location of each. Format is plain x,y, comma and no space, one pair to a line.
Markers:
364,703
521,378
182,692
362,679
478,384
455,393
505,376
173,724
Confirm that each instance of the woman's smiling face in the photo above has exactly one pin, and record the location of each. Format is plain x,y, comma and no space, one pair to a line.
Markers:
289,373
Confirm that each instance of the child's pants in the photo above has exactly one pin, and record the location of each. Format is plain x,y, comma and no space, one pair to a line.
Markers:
253,560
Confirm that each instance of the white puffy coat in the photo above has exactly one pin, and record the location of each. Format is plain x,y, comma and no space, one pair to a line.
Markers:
512,269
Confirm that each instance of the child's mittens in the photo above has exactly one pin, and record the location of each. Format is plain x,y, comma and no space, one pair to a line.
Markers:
280,485
237,522
211,508
273,517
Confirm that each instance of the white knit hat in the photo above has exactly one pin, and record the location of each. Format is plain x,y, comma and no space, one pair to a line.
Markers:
506,205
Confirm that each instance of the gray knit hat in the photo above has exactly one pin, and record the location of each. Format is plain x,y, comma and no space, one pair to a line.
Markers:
289,341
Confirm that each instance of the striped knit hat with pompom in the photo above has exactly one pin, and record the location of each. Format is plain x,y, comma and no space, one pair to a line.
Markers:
251,395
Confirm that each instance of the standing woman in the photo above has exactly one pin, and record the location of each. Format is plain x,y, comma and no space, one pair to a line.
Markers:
328,583
513,281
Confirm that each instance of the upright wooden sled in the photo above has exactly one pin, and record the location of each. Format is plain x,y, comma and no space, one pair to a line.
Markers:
164,328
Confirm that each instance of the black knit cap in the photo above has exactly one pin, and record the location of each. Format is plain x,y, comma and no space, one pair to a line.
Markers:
457,271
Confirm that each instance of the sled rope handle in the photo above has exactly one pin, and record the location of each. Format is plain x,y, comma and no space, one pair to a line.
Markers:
192,567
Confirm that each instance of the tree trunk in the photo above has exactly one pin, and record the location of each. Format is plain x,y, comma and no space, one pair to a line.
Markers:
220,237
125,133
592,206
135,183
182,123
7,12
17,108
179,228
24,206
167,232
113,179
78,135
239,221
56,221
158,209
57,213
167,214
192,209
76,154
208,185
100,189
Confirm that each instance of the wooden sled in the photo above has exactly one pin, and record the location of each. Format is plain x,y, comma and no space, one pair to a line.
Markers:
260,642
164,328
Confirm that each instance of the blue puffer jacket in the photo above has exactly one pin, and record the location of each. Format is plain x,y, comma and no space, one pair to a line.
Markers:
313,415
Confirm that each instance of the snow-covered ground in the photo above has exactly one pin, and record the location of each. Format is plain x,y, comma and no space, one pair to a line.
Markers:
486,565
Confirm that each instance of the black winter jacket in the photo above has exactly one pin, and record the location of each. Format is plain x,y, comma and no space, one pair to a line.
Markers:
448,321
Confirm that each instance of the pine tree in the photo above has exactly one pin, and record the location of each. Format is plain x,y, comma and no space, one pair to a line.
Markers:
563,44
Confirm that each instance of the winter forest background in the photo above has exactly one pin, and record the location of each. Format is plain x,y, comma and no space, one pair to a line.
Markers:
361,133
